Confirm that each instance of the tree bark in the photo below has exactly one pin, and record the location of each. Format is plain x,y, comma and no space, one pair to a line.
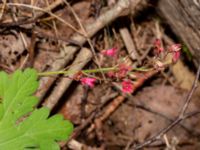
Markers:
183,16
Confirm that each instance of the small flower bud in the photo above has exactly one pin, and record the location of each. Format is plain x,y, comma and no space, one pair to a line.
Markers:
110,52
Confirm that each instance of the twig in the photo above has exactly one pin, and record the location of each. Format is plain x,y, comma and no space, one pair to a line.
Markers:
131,48
93,114
181,116
87,121
189,96
164,131
189,130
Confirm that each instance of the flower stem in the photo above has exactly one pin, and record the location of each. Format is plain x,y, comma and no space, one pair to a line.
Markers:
88,71
68,72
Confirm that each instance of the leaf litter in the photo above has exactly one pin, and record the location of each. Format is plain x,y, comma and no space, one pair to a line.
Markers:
132,121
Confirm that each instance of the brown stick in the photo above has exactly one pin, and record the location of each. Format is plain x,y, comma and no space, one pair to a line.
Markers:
130,46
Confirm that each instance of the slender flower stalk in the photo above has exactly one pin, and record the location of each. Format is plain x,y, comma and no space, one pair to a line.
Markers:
68,72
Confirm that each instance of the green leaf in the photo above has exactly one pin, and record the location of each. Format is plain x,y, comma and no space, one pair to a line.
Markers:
187,52
22,126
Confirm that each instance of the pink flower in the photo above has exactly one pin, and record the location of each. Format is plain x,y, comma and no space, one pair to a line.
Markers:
88,81
123,70
110,52
176,56
111,74
175,49
158,47
157,43
127,86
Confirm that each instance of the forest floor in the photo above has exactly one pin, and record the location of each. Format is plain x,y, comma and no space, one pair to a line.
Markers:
55,35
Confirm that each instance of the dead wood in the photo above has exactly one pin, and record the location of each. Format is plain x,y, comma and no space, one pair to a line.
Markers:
183,16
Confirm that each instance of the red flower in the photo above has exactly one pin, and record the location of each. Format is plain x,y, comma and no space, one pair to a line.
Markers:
127,86
88,81
110,52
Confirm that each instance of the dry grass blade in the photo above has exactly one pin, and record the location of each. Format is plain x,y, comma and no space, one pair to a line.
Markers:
45,11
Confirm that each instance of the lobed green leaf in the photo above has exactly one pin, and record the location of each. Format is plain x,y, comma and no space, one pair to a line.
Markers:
22,126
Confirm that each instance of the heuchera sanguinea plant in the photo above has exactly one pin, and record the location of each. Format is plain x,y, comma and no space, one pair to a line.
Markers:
122,70
23,126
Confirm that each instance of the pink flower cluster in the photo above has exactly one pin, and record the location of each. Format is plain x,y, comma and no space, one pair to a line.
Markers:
121,73
175,49
123,69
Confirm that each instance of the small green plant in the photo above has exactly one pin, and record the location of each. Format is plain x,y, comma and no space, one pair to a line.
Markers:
22,125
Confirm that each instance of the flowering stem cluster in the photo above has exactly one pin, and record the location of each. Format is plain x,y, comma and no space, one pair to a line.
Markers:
121,70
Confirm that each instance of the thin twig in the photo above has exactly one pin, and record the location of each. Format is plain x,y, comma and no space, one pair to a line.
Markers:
180,118
189,96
